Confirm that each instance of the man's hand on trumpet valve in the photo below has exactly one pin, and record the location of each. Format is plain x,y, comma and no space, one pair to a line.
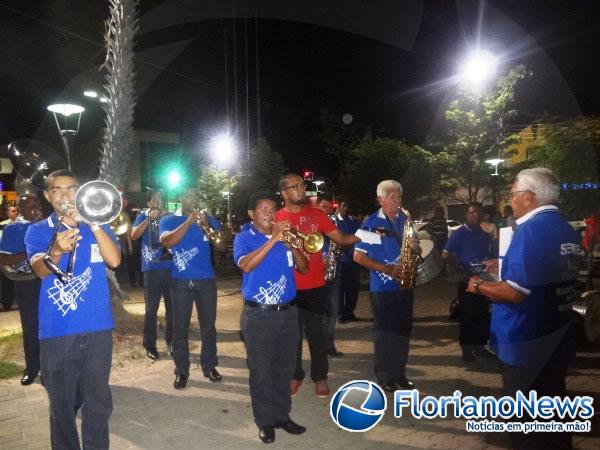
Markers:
154,214
65,241
279,228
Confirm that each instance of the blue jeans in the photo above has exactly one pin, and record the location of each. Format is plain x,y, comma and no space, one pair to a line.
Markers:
271,339
393,316
184,293
76,369
157,284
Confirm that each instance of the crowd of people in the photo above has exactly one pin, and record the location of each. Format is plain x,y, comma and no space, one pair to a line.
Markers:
287,296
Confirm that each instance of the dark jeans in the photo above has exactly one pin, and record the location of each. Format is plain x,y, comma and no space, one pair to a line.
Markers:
184,293
27,296
474,319
311,309
271,338
350,285
331,311
76,369
393,317
7,295
157,284
546,381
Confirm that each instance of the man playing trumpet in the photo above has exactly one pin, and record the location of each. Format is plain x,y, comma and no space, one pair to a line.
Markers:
392,305
193,282
75,317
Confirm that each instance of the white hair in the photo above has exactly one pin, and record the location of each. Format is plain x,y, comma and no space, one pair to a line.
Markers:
541,181
384,188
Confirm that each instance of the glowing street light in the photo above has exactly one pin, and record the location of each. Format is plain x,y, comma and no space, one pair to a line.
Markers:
67,118
479,67
494,162
174,178
317,184
223,149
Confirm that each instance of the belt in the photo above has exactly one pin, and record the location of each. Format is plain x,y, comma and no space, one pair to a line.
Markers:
273,307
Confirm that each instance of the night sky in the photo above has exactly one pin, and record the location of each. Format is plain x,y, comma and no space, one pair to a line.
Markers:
382,61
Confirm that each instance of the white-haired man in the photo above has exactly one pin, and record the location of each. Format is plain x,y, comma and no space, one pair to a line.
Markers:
530,312
392,305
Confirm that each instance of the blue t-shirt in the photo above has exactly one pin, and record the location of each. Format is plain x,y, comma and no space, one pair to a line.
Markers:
388,252
348,225
13,242
149,253
470,245
83,304
191,255
541,262
272,281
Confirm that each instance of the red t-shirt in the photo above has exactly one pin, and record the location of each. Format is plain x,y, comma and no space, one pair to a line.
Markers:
309,220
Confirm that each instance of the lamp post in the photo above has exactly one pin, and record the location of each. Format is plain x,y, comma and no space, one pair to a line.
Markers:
223,148
67,118
318,183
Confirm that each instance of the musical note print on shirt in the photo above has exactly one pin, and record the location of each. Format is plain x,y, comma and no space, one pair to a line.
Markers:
65,295
182,258
149,254
271,294
384,277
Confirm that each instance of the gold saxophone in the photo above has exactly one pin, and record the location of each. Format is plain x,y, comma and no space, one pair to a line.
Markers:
409,260
331,259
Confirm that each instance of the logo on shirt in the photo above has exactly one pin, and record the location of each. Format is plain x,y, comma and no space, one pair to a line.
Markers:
149,254
384,277
182,258
272,293
65,296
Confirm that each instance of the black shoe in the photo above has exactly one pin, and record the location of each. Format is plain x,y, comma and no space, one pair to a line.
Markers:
214,376
467,356
180,381
152,353
291,427
27,379
388,386
485,353
405,384
335,354
343,320
266,434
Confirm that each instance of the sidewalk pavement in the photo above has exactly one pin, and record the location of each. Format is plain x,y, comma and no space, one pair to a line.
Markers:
150,414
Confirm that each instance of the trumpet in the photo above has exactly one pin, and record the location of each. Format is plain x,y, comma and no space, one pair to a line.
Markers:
214,236
96,202
312,242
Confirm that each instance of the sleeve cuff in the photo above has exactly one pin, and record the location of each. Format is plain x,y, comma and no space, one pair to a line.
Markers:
517,287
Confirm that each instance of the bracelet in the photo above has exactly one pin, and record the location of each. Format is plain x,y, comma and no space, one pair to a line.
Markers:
95,227
476,285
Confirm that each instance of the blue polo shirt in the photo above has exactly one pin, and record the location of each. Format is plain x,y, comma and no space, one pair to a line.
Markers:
191,255
348,225
541,262
388,252
150,254
272,281
13,243
83,304
469,245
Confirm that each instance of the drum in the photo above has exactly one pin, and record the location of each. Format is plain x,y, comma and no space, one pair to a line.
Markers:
432,263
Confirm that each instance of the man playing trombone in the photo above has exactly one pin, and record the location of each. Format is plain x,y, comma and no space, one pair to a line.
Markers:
189,233
156,271
75,320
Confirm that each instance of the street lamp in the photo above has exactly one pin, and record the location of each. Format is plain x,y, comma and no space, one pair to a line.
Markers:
67,118
317,184
223,149
478,67
494,162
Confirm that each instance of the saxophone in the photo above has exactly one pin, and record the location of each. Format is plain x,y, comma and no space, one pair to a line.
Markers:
331,259
409,259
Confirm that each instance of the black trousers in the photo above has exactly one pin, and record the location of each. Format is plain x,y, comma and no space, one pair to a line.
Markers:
311,310
157,284
350,284
546,381
474,318
7,295
271,339
27,296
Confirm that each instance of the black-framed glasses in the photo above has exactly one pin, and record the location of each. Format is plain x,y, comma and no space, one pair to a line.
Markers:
296,186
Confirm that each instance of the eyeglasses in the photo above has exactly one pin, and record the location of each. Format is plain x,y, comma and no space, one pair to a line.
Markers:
297,186
513,194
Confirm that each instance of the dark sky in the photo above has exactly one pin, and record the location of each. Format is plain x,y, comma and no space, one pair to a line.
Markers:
382,61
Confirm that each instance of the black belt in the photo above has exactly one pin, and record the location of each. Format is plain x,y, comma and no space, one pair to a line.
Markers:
273,307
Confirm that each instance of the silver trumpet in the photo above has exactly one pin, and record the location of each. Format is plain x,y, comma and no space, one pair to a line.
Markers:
96,202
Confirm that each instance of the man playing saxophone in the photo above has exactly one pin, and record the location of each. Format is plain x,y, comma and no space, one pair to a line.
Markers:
193,281
383,255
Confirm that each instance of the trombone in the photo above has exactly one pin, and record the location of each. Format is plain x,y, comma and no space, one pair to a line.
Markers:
312,242
96,202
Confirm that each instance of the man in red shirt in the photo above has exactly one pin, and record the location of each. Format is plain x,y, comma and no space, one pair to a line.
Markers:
311,294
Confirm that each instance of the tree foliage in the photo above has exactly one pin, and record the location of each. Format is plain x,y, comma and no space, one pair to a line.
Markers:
475,134
375,159
212,183
571,149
